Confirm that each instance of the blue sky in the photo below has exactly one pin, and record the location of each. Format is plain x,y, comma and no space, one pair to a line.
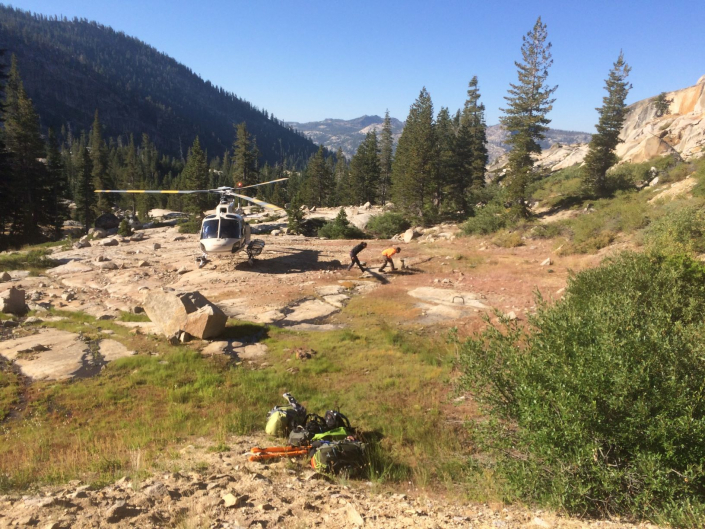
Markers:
311,60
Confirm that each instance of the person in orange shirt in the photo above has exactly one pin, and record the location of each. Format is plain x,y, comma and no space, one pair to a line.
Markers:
388,253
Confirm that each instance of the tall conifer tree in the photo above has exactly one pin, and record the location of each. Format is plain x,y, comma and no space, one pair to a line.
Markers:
341,177
415,165
6,191
529,102
58,186
318,187
244,157
365,171
99,163
195,176
386,158
601,156
84,194
445,136
29,177
470,149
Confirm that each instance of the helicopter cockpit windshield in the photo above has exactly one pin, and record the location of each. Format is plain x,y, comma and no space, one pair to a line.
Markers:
229,228
210,229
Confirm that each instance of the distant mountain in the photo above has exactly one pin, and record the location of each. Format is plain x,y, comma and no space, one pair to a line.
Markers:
70,68
496,136
348,134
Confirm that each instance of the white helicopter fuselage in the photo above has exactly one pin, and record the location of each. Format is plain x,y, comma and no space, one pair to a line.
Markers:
224,231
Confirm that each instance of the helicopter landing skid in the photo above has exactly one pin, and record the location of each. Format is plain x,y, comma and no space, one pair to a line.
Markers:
253,249
202,260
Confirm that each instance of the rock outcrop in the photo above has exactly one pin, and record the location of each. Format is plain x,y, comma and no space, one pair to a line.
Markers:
188,312
12,301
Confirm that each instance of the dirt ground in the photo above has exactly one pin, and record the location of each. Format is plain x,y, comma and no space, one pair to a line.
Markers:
301,283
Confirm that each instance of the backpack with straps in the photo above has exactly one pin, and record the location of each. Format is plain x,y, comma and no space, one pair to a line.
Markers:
338,456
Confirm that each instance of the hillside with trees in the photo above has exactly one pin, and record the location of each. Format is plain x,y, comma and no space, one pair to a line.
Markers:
72,67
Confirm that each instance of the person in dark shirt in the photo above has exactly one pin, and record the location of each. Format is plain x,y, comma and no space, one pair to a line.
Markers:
353,255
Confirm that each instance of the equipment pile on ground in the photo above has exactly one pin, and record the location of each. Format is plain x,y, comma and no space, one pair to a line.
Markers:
329,442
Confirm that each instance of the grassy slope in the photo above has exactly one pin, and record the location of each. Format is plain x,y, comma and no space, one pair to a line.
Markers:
388,379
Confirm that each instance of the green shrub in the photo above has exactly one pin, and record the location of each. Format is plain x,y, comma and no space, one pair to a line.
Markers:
34,260
489,219
295,218
124,228
341,228
681,230
547,231
508,239
387,225
192,225
598,405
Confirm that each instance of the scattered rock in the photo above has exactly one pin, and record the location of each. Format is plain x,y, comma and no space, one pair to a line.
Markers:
81,244
32,320
547,262
511,316
275,232
179,238
98,233
107,265
68,296
183,270
354,517
409,235
12,301
230,500
143,264
119,511
4,277
137,237
157,490
109,242
156,246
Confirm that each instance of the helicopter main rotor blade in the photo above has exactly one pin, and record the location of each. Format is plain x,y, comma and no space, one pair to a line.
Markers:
155,191
260,203
265,183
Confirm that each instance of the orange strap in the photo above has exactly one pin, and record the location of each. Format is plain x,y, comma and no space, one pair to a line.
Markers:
292,453
277,449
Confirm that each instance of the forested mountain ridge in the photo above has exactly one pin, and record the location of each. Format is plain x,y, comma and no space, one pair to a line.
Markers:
70,68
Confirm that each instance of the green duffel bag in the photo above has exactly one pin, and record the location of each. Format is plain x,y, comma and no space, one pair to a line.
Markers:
281,420
339,456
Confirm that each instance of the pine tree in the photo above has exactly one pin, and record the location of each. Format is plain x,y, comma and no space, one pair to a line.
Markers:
318,186
341,177
244,157
99,163
6,177
58,186
195,176
470,149
365,171
445,136
29,177
415,165
386,159
84,194
601,156
525,119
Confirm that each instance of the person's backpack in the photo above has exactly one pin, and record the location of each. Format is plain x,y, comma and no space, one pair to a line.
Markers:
338,456
335,419
282,419
303,435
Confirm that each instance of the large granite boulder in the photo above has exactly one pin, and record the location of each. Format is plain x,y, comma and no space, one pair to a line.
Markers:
188,312
107,221
12,301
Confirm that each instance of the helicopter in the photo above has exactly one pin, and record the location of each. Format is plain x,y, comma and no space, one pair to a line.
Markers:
225,231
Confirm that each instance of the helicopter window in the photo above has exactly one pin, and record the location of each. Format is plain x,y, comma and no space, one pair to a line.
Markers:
210,229
229,229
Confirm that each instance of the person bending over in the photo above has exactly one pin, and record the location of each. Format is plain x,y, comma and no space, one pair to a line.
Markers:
353,256
388,253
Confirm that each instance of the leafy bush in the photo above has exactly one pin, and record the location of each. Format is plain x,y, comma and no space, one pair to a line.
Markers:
124,228
546,231
508,239
387,225
193,225
341,228
598,405
489,219
681,230
296,217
